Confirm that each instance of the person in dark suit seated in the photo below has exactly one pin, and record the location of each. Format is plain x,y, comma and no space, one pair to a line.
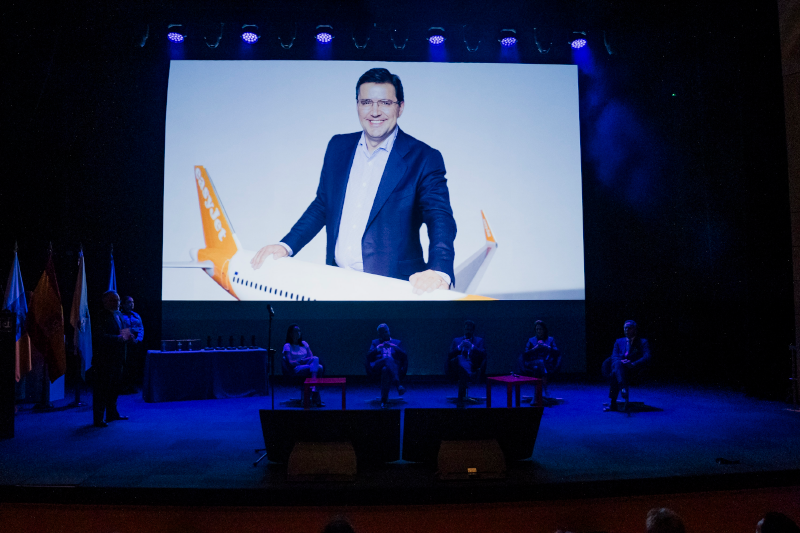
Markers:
387,358
300,363
467,359
541,356
631,354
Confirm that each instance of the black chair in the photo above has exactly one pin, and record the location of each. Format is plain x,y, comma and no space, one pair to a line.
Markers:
375,376
478,378
545,367
634,378
294,379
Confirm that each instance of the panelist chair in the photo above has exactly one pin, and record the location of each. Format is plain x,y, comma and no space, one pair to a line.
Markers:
634,378
294,380
375,376
549,368
479,378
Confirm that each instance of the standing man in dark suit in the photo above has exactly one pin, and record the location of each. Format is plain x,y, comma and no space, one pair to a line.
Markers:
387,357
377,188
467,356
107,361
630,354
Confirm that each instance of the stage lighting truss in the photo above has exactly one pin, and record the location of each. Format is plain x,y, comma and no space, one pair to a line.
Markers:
287,34
507,38
213,42
323,33
362,34
250,33
538,42
176,33
436,35
578,40
471,38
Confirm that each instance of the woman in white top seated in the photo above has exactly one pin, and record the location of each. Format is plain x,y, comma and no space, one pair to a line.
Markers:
299,361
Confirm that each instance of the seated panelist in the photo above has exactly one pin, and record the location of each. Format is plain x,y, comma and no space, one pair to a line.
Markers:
387,358
299,362
467,358
541,356
631,354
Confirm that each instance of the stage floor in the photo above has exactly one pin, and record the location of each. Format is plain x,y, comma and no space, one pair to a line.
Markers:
671,441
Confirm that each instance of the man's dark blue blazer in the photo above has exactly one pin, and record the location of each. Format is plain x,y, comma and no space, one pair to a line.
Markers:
413,191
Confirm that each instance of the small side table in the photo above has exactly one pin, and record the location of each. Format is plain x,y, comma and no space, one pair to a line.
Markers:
323,382
513,382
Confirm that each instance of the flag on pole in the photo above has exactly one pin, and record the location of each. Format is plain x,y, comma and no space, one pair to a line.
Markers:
79,318
112,279
15,301
46,321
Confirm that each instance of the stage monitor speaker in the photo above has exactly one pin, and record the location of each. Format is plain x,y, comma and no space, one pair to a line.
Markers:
322,461
515,430
471,459
374,434
8,358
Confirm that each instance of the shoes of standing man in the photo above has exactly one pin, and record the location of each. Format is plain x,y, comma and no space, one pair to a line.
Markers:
401,390
611,407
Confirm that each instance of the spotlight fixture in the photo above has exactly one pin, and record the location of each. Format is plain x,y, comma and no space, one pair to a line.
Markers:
508,37
324,34
399,37
471,38
250,33
606,42
217,40
362,34
176,33
539,44
436,35
578,42
287,34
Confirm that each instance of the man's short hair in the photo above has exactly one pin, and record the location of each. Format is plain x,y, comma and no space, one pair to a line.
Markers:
383,326
381,75
664,521
107,295
470,323
629,323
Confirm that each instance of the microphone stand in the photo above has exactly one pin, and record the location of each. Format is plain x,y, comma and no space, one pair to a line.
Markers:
271,356
271,363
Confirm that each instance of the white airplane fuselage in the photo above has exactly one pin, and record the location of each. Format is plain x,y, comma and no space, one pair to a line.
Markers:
291,279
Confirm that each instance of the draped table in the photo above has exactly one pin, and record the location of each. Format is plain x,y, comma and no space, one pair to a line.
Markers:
204,374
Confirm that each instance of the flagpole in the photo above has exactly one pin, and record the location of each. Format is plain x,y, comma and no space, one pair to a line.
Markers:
44,403
77,355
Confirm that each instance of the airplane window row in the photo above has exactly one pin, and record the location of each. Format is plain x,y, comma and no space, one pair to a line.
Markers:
271,290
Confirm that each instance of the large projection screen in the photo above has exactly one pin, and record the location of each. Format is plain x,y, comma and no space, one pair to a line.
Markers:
509,135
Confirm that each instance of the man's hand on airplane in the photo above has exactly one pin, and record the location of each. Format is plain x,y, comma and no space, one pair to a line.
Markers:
275,250
427,281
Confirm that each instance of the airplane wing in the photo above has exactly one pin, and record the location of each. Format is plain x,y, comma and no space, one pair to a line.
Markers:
469,273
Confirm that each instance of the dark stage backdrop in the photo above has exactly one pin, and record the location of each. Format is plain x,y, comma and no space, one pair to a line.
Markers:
686,219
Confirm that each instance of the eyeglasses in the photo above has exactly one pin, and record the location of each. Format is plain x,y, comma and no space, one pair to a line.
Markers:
381,103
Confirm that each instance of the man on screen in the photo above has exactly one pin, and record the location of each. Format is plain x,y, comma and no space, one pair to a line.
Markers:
376,189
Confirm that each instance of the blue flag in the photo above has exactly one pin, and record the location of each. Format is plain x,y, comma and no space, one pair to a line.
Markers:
112,279
79,318
15,301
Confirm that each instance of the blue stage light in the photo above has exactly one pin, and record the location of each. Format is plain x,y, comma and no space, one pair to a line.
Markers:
175,37
324,37
578,43
436,39
176,33
508,41
249,37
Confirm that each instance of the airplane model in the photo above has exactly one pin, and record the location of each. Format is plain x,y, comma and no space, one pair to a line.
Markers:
227,262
